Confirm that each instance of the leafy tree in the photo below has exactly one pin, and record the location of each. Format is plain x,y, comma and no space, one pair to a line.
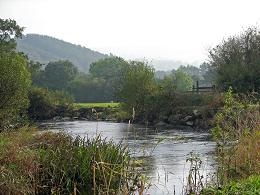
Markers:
108,68
9,30
236,61
86,88
14,77
37,73
58,74
191,70
209,75
182,81
137,88
14,86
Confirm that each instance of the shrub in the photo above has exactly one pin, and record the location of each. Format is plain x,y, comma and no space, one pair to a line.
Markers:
45,104
247,186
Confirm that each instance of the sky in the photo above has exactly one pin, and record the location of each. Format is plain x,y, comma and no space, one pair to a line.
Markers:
179,30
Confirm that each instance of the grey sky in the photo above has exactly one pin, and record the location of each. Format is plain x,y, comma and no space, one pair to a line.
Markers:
160,29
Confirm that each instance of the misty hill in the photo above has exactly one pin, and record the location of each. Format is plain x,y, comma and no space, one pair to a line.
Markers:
43,49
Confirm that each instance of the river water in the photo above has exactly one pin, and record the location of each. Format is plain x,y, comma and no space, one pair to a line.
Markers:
165,151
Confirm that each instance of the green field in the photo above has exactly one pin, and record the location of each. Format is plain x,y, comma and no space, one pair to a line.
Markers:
96,105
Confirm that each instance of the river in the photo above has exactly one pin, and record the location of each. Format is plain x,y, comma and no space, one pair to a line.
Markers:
165,151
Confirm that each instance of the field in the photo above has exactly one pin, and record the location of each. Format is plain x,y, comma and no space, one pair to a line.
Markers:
96,105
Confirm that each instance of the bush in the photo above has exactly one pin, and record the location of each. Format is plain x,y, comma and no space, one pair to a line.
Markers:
248,186
45,104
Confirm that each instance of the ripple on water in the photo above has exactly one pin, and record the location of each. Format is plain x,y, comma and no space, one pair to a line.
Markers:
164,151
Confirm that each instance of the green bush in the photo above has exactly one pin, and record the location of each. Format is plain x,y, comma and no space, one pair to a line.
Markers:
248,186
45,104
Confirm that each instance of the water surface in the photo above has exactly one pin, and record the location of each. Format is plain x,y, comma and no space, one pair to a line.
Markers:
165,151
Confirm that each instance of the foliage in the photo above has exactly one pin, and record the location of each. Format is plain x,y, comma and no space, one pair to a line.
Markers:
108,72
45,104
96,105
235,119
50,163
237,134
14,86
182,81
108,68
202,74
247,186
236,62
137,88
14,77
37,73
194,180
58,74
9,30
86,88
98,86
239,160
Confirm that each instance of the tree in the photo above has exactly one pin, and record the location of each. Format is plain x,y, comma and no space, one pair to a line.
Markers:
182,81
108,68
137,88
14,86
110,71
14,77
87,88
58,74
37,73
9,30
236,62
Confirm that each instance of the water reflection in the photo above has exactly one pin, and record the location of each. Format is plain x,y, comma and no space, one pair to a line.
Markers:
165,151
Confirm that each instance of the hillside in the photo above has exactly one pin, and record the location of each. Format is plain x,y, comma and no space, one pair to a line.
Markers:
44,49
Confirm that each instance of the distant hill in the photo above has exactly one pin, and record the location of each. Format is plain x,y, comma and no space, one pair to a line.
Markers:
43,49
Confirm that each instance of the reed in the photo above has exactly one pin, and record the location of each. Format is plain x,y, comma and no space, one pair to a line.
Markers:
56,163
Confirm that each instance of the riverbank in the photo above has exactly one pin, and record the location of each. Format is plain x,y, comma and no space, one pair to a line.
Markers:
160,152
196,118
56,163
237,134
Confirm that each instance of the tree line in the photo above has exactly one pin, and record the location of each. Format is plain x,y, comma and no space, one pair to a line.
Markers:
28,86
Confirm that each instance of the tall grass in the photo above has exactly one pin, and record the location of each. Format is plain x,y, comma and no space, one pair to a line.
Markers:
237,133
55,163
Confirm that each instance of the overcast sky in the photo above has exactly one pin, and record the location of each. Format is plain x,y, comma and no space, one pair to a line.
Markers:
160,29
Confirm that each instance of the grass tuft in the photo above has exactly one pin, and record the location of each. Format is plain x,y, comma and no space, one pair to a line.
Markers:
55,163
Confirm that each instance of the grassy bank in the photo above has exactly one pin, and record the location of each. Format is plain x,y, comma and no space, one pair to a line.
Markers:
55,163
96,105
237,133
